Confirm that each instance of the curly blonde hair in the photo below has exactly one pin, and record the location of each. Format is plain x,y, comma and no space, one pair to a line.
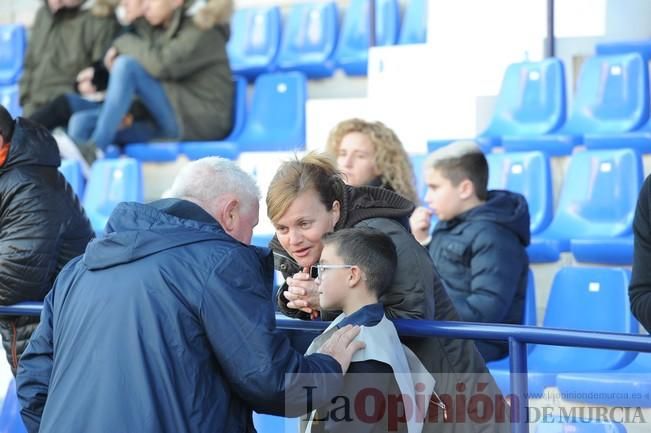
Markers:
390,156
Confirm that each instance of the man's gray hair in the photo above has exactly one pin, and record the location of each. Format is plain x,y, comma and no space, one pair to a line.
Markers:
207,179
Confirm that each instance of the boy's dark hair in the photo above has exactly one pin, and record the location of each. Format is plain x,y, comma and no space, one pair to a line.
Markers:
371,250
459,161
6,124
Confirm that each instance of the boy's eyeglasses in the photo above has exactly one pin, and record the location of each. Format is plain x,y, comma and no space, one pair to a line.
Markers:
317,271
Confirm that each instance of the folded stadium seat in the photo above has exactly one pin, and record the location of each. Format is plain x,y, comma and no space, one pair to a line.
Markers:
71,170
531,102
414,23
10,99
227,147
614,251
597,202
274,424
353,44
10,419
590,299
629,386
612,97
577,424
13,43
276,121
112,152
309,39
111,181
254,41
529,174
643,48
530,317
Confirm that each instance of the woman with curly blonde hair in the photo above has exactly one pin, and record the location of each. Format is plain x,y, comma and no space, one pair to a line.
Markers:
370,153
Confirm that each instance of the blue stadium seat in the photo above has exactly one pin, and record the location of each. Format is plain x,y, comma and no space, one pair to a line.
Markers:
13,43
10,99
599,206
613,251
71,170
154,152
274,424
276,120
577,424
529,174
352,47
309,39
642,47
414,23
531,102
530,317
226,148
10,420
612,97
590,299
627,387
111,181
254,42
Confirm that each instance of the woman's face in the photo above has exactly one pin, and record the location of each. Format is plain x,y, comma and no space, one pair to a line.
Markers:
356,159
302,226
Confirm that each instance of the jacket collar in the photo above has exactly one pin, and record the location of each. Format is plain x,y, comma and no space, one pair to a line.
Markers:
369,315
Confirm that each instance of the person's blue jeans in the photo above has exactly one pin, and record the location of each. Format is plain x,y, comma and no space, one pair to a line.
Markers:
128,78
82,124
79,103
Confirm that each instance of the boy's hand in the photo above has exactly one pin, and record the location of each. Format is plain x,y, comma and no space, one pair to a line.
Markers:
420,222
302,292
342,346
110,57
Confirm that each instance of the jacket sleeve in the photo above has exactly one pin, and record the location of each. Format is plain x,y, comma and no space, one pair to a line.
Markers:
256,359
190,51
29,62
494,264
28,244
35,369
640,288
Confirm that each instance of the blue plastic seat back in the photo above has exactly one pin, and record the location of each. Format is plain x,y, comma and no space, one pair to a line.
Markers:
255,38
355,30
71,170
274,424
13,43
414,23
590,299
529,174
111,181
10,419
599,195
612,95
239,109
276,120
530,317
577,424
417,165
10,99
531,100
310,33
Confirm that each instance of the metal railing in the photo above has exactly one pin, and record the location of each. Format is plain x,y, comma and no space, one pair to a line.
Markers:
517,336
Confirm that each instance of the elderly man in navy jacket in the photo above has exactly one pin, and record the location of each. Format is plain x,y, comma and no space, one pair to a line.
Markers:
166,323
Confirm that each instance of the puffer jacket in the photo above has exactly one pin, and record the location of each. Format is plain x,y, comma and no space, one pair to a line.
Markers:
42,227
189,59
61,45
481,256
416,293
164,325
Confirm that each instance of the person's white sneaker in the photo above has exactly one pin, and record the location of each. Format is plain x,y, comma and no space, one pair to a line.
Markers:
69,150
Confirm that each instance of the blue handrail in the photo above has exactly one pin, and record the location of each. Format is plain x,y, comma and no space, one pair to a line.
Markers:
517,336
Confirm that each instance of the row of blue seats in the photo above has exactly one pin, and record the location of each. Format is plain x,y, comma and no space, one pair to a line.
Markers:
310,40
594,215
610,108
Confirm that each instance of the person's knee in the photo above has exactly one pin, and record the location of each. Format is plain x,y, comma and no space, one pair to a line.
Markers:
124,66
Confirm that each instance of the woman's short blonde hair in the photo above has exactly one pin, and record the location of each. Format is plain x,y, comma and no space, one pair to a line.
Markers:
315,172
390,156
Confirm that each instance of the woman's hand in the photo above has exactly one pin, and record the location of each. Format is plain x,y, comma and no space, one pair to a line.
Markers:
302,293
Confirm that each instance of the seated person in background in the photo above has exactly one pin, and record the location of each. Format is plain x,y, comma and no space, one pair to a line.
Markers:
640,289
178,68
371,154
479,244
355,269
66,36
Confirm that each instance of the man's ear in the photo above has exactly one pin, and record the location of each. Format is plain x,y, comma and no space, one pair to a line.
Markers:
355,276
230,214
335,212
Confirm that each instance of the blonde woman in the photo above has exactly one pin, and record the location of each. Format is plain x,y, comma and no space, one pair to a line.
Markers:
371,154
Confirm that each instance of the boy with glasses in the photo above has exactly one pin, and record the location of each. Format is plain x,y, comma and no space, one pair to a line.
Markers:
355,268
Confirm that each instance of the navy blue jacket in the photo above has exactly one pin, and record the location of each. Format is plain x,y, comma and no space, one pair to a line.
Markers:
165,324
481,256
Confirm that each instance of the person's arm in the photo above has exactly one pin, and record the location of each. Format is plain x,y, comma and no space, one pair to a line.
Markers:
257,360
497,257
640,289
105,30
35,369
190,51
29,62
